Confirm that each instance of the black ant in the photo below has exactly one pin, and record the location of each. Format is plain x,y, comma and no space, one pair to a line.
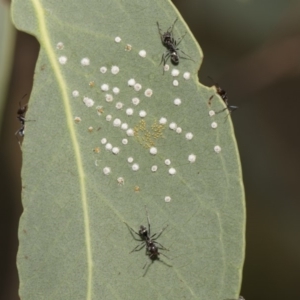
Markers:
223,94
21,117
171,44
148,240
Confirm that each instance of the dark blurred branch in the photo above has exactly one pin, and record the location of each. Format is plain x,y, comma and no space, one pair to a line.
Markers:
268,65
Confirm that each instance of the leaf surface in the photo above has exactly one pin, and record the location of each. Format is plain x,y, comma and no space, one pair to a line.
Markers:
90,163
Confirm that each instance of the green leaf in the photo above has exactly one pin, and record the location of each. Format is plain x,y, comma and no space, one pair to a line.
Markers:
78,192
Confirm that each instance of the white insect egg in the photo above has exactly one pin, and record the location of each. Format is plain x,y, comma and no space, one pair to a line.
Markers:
189,136
168,199
173,126
77,119
177,101
137,87
106,170
167,162
148,93
115,150
108,146
75,93
103,70
105,87
135,167
214,125
130,159
109,98
62,60
88,101
217,149
166,67
124,126
135,101
115,70
211,113
175,82
130,132
178,130
118,39
192,158
117,122
153,150
103,141
60,46
142,114
186,75
85,61
163,121
119,105
154,168
131,82
142,53
129,111
124,141
116,90
172,171
108,118
175,72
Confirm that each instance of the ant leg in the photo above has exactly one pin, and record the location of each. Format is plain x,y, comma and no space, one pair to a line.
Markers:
131,230
135,249
149,264
148,219
209,100
214,83
158,234
172,27
164,255
165,57
161,246
226,118
145,265
188,57
180,39
159,31
231,109
220,111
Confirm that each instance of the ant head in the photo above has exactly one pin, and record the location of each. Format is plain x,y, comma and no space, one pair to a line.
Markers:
22,109
167,36
143,231
222,93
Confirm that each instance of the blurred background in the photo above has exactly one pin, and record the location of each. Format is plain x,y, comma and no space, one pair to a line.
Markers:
252,49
